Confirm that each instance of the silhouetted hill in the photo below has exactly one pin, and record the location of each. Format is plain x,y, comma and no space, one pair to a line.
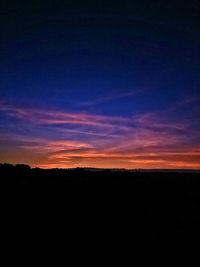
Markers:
134,218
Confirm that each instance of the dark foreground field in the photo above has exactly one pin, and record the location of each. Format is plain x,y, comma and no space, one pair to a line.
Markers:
99,217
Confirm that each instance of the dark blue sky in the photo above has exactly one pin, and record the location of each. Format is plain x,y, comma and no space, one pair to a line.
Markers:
109,60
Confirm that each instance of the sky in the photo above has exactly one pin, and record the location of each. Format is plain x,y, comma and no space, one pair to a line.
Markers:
107,84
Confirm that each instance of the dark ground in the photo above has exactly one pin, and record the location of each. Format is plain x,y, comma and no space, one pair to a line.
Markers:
100,217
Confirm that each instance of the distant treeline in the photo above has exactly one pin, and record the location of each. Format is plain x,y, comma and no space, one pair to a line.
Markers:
25,167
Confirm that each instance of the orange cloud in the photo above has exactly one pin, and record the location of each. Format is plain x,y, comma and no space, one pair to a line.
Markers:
140,141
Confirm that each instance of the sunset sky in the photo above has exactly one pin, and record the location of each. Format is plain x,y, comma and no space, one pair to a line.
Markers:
100,84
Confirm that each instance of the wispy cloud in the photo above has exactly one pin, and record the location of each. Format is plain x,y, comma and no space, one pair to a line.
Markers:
111,97
40,116
139,141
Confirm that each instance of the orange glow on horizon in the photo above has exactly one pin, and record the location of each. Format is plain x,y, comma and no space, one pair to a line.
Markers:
85,140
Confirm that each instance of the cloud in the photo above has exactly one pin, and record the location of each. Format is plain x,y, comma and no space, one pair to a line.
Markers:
51,117
112,97
139,141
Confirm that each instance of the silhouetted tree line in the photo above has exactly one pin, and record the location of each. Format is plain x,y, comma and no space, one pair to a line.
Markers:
137,214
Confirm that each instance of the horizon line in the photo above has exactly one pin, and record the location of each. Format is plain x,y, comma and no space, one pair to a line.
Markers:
98,168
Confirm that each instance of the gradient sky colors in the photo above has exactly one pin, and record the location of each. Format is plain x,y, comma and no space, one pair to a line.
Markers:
100,85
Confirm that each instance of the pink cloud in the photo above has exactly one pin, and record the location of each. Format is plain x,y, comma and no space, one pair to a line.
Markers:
40,116
144,140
